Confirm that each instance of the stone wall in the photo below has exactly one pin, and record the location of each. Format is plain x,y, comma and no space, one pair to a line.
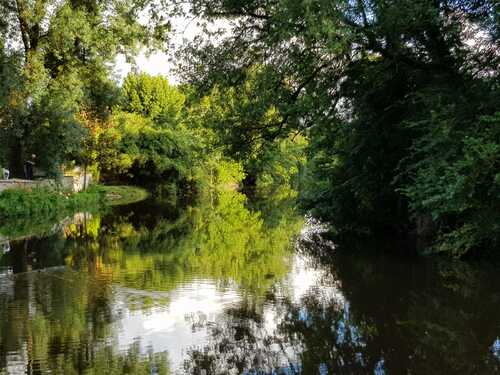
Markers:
74,181
23,184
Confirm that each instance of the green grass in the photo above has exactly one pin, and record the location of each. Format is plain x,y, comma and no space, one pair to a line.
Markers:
50,204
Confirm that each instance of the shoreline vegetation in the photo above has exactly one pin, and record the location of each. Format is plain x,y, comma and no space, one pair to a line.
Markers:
49,203
382,116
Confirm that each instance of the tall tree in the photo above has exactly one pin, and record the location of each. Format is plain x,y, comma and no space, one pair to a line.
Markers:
373,82
152,97
67,49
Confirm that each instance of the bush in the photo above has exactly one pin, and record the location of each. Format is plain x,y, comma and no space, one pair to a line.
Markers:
457,182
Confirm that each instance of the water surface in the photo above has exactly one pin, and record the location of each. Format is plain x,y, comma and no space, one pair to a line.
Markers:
231,286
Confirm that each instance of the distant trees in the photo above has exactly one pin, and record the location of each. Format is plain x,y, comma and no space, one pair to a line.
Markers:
145,138
152,97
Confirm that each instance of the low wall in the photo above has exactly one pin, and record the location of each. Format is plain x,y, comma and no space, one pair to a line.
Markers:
74,183
23,184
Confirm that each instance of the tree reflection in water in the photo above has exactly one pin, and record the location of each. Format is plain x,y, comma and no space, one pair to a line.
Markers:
64,320
214,288
363,313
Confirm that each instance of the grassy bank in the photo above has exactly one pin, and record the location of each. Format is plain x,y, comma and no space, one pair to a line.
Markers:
50,203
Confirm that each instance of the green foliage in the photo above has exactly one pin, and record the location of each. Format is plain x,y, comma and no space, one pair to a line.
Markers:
44,202
394,97
62,65
136,147
456,180
345,182
151,140
152,97
147,140
281,163
219,172
242,121
59,134
242,125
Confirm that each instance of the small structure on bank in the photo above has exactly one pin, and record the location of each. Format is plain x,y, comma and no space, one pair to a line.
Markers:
74,180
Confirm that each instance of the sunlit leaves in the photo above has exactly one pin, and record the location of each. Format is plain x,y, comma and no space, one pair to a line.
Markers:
152,97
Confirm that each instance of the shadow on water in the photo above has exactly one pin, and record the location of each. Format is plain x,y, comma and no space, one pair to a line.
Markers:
419,315
227,286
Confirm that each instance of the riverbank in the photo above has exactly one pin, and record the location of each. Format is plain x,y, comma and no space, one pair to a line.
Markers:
49,203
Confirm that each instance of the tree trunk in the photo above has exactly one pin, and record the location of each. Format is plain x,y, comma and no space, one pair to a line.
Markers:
84,176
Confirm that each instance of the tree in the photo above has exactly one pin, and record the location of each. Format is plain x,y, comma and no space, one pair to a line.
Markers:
133,148
152,97
145,138
368,81
67,48
243,122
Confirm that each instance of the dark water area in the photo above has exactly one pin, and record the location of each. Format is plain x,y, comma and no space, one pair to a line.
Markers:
232,286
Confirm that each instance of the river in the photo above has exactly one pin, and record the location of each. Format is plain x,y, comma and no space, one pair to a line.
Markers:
233,286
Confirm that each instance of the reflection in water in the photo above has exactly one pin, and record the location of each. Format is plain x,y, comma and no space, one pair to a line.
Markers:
215,288
495,348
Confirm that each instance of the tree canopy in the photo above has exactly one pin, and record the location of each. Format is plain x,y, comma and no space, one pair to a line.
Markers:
62,53
399,100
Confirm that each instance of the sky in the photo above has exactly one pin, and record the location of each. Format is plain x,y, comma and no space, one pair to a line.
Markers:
158,63
183,29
